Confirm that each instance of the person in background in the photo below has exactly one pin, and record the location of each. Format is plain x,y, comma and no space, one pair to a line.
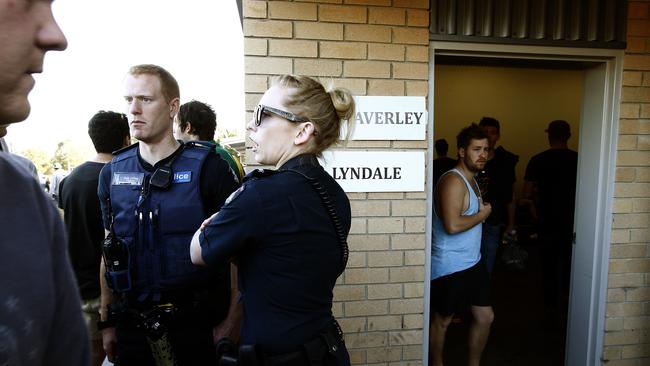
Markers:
109,131
442,163
55,180
287,228
40,319
459,278
497,181
154,195
552,174
197,121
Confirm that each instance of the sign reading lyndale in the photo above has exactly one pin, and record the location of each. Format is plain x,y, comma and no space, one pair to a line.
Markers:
389,118
376,171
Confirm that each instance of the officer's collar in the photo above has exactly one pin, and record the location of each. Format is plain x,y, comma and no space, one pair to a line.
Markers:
300,160
162,162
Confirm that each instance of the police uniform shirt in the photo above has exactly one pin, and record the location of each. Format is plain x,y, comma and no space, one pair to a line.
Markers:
284,243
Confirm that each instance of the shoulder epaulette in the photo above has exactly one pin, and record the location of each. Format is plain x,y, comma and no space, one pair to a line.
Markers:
201,144
118,152
259,173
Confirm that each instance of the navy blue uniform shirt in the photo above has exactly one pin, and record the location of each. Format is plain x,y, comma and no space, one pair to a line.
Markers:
285,245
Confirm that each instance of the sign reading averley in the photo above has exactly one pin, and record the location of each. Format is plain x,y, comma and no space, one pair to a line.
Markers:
389,118
376,171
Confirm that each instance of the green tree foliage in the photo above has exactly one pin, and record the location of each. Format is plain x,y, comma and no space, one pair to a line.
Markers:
68,153
40,158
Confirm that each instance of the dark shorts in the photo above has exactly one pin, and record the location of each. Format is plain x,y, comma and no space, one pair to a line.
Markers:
459,291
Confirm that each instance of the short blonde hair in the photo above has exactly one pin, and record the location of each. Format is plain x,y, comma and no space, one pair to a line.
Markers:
169,86
326,109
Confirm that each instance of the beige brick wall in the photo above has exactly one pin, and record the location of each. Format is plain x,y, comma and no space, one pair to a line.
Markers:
372,47
627,322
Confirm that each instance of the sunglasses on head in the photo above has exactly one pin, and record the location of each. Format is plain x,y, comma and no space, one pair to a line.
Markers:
261,110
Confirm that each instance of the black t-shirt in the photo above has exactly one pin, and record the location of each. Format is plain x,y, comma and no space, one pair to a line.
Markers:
495,182
554,171
441,166
83,223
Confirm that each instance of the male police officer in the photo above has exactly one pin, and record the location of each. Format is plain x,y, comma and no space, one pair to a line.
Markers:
40,319
154,195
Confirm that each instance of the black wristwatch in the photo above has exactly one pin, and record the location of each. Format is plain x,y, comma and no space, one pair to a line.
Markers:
103,324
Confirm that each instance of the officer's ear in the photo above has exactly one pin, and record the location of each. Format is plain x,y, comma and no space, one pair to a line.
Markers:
174,106
461,152
305,132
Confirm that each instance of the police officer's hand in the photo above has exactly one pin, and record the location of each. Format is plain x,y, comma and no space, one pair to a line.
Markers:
207,221
109,340
227,328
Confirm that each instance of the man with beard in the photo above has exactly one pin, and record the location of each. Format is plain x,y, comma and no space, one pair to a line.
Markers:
459,278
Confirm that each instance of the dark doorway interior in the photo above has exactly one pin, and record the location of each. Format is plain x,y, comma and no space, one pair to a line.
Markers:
523,333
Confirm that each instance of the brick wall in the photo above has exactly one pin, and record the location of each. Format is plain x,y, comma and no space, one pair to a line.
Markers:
372,47
627,328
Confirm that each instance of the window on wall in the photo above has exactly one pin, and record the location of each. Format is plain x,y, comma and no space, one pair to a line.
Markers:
199,42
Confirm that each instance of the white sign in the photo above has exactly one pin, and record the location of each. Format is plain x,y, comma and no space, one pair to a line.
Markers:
389,118
376,171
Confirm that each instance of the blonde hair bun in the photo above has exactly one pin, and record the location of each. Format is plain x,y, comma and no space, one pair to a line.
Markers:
343,102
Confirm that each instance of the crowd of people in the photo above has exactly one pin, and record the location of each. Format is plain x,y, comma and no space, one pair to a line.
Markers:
474,211
169,249
169,255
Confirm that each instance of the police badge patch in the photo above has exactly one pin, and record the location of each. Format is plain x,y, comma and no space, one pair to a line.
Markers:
234,195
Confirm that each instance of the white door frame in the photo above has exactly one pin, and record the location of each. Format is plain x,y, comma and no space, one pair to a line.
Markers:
594,197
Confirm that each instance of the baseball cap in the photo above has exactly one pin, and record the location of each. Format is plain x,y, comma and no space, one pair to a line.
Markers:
559,128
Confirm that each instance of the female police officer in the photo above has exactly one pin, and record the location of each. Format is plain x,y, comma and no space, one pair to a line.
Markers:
287,228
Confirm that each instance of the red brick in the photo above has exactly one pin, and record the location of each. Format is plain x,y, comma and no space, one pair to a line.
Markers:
391,16
369,2
293,11
411,35
636,62
629,110
342,14
417,18
637,27
630,94
420,4
637,10
632,78
635,45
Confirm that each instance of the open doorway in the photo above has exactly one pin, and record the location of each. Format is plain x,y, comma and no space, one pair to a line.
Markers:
598,73
523,96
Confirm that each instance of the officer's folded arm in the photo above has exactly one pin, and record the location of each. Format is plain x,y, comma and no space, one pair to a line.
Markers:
195,249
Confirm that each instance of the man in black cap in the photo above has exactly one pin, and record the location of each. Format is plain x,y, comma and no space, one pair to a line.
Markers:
552,174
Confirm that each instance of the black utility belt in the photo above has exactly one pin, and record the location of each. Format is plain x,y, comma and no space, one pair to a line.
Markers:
312,353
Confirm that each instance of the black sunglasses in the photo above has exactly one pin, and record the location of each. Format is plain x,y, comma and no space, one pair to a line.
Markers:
260,110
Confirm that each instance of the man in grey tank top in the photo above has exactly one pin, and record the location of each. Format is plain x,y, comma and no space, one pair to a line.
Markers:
459,277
